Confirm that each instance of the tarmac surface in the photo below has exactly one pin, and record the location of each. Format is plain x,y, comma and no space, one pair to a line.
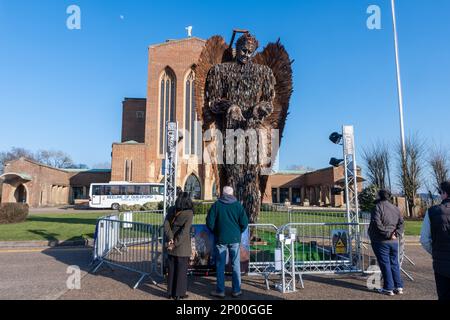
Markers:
42,273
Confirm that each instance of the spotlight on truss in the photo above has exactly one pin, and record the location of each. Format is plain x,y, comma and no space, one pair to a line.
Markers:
336,190
336,138
336,162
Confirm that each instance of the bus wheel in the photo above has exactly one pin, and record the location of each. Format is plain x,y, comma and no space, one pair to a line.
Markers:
115,206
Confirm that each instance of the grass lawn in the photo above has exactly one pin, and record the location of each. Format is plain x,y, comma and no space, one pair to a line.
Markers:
66,226
77,226
412,228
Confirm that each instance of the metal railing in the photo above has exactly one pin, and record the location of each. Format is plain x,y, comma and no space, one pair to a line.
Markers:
134,241
130,245
154,217
264,258
322,248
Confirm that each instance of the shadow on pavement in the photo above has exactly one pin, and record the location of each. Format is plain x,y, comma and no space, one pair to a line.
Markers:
71,256
200,287
341,281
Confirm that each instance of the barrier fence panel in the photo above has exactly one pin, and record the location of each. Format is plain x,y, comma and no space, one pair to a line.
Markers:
265,257
154,217
133,246
322,247
287,242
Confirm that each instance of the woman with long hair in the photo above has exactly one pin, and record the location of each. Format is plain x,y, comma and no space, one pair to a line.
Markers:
177,228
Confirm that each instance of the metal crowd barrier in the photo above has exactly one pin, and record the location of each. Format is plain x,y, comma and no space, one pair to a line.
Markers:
130,245
264,258
296,242
322,248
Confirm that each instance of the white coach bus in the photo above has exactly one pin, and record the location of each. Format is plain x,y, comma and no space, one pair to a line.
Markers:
112,195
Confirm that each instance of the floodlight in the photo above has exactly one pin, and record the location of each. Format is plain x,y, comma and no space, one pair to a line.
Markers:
336,162
336,138
336,190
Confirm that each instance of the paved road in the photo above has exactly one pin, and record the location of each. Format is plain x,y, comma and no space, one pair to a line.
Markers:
38,273
41,274
68,209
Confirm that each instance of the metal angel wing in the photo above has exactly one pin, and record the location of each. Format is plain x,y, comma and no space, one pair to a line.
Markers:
276,57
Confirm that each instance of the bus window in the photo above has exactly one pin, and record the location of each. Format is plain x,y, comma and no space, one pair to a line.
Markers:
143,190
131,190
98,190
107,190
115,190
157,190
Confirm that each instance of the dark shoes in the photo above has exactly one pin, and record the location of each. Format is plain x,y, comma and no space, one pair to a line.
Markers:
169,296
218,294
221,295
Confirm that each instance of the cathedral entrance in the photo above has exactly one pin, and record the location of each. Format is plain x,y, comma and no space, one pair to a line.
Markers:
193,187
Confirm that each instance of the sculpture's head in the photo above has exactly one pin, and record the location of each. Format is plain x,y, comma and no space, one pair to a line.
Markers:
245,48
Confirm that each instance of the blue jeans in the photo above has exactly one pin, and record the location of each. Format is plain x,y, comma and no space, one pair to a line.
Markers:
221,258
387,256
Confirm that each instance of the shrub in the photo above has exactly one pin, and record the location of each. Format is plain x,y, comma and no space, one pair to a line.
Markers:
150,206
367,198
201,207
124,207
13,213
161,205
136,207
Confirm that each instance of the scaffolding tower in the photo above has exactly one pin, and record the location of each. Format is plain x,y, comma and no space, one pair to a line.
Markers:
170,169
351,190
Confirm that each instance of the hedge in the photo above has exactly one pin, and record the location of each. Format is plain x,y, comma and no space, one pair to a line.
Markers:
13,212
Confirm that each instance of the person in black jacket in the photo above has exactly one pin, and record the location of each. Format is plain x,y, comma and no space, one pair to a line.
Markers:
386,226
177,230
435,238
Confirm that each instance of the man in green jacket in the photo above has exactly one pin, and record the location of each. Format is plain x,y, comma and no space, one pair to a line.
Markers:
227,219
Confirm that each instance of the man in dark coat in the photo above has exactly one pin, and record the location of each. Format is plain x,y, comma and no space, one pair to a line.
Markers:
386,226
227,219
435,238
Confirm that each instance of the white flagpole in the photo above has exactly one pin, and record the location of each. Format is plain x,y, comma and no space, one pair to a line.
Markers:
400,92
399,82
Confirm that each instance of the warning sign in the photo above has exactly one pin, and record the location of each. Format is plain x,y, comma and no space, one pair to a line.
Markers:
340,241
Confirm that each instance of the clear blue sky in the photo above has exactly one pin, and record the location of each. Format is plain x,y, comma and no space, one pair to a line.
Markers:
62,89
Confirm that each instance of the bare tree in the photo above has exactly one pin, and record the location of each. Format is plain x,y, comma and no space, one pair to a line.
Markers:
377,161
410,173
296,167
14,154
102,165
56,159
439,164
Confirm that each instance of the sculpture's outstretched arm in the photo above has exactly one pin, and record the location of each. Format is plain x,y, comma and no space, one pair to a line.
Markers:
264,107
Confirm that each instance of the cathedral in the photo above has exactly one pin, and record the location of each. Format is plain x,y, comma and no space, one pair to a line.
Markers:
139,156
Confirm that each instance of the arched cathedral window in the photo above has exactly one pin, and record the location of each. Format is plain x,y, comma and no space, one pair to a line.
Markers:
190,115
166,105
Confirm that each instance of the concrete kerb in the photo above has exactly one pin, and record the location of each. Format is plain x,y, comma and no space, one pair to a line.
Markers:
46,244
